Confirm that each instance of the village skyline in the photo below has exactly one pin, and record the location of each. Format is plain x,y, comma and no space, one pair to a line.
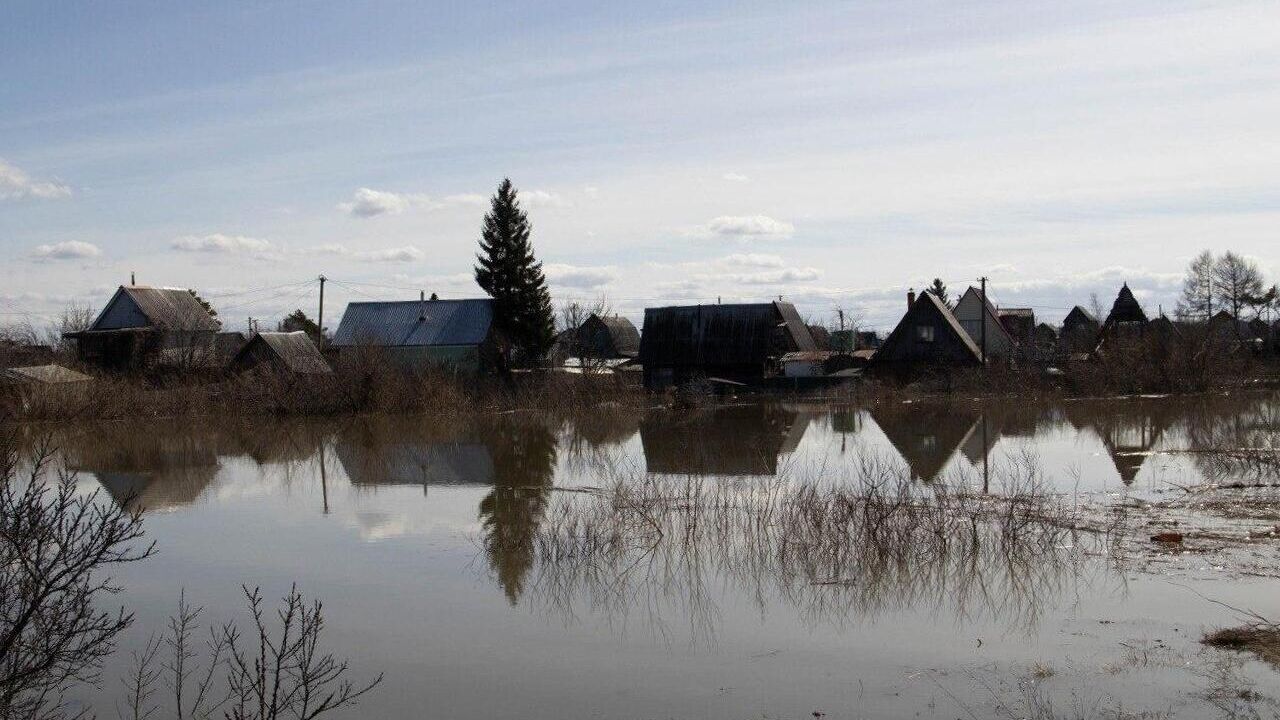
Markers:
665,156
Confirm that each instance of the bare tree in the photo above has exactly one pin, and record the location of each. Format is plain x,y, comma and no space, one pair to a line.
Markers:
572,315
55,547
1236,279
1097,308
1196,302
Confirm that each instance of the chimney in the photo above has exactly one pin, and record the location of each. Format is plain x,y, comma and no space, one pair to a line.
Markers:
422,306
132,278
911,298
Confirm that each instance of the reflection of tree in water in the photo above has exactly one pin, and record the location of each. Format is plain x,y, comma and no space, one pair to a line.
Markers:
1129,428
1233,436
524,459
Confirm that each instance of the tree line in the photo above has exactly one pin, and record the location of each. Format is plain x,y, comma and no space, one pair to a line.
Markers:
1228,282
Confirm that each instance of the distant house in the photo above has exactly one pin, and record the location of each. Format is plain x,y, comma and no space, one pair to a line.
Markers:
1234,334
608,338
450,333
1127,319
1080,330
972,313
743,343
281,352
928,334
144,327
1021,324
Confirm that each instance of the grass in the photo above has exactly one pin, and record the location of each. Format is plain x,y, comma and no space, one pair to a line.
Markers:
1262,639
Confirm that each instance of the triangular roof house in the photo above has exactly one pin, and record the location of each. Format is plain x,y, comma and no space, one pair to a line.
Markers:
285,352
928,334
972,312
147,326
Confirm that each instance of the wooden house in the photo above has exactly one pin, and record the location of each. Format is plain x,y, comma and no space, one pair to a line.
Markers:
611,337
455,334
927,335
742,343
1080,330
282,353
144,327
972,312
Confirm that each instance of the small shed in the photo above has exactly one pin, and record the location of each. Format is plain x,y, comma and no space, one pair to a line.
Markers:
610,337
42,375
928,334
281,352
456,334
150,326
805,363
742,342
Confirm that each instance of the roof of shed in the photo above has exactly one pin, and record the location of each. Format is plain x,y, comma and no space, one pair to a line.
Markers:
43,375
626,338
294,349
415,323
165,308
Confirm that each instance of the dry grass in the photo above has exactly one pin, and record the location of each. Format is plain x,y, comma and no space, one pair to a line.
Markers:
1260,638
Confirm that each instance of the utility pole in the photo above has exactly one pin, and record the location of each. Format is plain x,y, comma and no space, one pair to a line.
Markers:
320,317
985,312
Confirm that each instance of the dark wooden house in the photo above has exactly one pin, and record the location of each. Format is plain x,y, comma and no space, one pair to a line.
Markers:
742,343
290,353
143,327
608,338
1080,330
1126,317
928,335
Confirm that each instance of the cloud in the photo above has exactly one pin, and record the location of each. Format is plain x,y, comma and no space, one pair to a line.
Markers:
735,177
753,260
578,277
778,277
542,198
17,185
69,250
220,244
407,253
367,203
475,199
749,226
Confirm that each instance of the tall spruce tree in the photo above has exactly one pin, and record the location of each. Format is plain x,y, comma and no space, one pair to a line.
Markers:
508,271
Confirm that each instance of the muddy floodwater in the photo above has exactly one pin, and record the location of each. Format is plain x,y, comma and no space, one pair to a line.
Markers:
684,564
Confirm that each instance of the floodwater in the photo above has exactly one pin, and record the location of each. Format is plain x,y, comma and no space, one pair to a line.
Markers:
424,543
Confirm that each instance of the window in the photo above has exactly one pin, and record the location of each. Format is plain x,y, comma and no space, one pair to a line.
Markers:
924,333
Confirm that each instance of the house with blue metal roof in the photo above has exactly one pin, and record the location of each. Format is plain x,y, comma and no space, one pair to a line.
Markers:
419,333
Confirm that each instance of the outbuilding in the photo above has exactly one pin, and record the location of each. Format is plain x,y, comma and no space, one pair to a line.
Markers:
283,353
455,334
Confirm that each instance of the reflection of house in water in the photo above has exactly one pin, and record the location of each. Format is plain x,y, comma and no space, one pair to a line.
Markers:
740,440
143,470
1128,429
926,435
406,462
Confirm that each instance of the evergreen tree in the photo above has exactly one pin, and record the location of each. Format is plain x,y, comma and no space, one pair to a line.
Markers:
207,307
298,321
939,289
508,271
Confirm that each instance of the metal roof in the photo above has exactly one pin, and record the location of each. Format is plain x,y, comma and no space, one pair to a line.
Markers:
163,308
294,349
415,323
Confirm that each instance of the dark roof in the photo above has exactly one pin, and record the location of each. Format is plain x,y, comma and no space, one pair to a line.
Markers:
1077,316
42,375
711,335
164,308
1126,308
415,323
623,335
294,350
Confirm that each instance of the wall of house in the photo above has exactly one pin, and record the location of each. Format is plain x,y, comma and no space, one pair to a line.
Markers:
120,314
969,312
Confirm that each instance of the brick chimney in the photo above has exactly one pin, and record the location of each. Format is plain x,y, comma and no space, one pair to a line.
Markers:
911,298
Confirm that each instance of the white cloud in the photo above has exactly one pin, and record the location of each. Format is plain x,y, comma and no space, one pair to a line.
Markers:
69,250
578,277
749,226
220,244
735,177
754,260
368,203
474,199
777,277
542,198
17,185
407,253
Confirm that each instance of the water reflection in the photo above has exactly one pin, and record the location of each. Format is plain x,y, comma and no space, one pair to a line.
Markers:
729,441
524,463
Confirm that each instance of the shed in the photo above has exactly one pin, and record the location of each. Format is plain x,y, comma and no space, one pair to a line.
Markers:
972,312
1080,330
149,326
281,352
928,335
609,337
741,342
805,363
452,333
42,375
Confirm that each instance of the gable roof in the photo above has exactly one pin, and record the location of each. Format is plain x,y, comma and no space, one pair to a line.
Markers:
1079,315
1126,308
174,309
719,334
294,350
928,303
622,333
973,295
415,323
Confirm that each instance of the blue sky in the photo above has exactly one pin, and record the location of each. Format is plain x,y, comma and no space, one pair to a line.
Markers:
831,153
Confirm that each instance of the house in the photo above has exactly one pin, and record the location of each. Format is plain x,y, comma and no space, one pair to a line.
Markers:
972,312
457,334
281,352
821,337
1080,330
1233,334
742,343
1126,314
608,338
143,327
1021,324
927,335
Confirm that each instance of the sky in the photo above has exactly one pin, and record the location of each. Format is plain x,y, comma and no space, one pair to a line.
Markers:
834,154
